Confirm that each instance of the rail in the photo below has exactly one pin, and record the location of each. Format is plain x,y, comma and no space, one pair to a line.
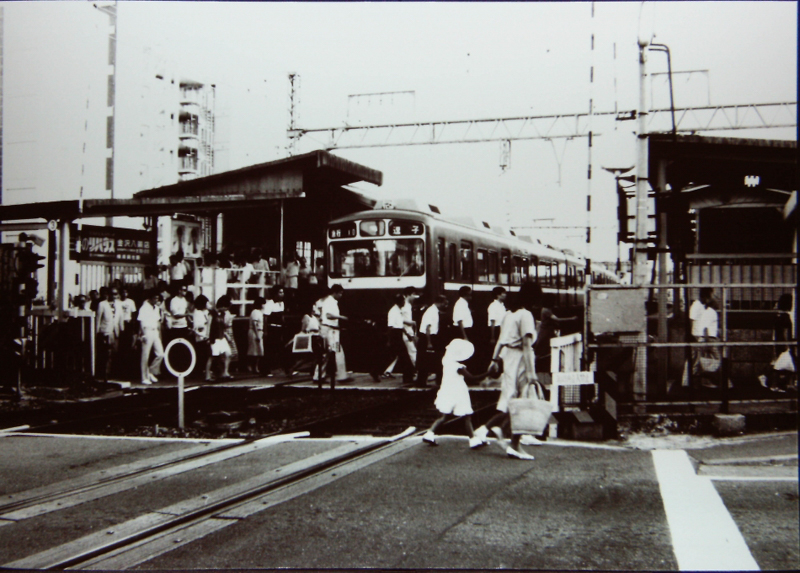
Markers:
132,542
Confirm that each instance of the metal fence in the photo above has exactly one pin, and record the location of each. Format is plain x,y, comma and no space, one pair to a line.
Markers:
656,357
95,275
243,286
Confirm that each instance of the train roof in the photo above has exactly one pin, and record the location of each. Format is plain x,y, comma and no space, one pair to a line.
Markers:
411,207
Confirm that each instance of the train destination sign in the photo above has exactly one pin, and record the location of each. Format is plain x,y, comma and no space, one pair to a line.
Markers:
343,231
403,227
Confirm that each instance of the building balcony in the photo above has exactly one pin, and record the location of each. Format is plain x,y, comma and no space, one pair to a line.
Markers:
187,165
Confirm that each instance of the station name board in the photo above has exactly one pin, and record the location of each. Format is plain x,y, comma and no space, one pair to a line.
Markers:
110,244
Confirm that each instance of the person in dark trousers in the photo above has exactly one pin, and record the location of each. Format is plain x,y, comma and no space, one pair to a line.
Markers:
397,335
430,344
462,315
275,351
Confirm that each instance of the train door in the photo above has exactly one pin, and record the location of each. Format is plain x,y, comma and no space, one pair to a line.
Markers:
438,273
467,261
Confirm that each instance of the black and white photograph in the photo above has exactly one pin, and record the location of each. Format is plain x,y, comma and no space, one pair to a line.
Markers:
399,285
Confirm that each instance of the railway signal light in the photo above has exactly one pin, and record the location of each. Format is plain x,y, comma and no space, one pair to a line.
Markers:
18,346
28,262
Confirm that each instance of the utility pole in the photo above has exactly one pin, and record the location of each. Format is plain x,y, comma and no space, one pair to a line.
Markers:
111,11
640,244
294,96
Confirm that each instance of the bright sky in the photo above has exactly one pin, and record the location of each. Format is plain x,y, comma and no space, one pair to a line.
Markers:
462,61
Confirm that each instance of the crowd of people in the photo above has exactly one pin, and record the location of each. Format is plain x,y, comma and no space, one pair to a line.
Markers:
133,324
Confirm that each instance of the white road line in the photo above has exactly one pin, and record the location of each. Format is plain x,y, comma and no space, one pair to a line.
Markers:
704,535
751,478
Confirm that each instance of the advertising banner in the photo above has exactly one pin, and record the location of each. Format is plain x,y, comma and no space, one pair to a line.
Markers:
110,244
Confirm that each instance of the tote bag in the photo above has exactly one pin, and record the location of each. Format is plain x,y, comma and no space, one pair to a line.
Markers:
529,414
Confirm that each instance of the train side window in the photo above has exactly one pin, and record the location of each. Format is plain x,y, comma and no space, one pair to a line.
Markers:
451,262
466,262
544,273
580,279
440,259
525,270
494,275
482,265
533,269
505,267
571,277
516,275
562,276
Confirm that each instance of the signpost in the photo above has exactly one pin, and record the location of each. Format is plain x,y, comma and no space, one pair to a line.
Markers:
180,358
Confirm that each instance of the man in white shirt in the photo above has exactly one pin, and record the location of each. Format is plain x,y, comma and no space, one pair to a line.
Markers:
697,309
496,312
178,308
396,324
329,329
410,339
430,347
150,334
462,316
109,315
695,314
708,324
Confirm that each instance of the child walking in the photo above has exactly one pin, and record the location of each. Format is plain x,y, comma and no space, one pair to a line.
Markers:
453,399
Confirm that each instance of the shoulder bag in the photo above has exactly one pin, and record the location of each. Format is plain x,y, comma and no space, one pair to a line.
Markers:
529,414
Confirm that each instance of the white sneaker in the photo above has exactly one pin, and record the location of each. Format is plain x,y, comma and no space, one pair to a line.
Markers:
481,433
146,382
512,453
476,442
153,377
497,432
527,440
429,438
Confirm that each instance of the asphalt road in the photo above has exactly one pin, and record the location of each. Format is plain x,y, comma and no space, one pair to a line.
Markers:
573,508
668,504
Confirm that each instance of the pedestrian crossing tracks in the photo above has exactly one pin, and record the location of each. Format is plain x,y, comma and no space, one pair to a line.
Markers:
703,533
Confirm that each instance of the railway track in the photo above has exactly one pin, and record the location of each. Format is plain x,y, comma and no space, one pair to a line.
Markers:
130,543
158,531
406,410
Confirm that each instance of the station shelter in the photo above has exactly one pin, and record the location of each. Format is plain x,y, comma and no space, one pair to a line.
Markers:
281,207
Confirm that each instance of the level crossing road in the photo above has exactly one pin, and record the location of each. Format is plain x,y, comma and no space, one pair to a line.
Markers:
409,505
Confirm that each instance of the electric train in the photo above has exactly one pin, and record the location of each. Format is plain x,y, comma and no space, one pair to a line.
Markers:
375,254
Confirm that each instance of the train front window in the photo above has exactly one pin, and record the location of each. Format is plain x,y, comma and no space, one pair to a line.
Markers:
377,258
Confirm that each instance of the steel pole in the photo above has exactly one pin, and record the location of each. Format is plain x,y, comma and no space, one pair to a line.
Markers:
640,239
640,245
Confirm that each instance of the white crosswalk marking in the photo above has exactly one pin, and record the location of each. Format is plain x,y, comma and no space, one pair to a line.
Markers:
704,535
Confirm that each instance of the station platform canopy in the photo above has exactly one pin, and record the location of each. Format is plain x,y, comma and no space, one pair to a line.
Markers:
726,171
315,173
739,191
